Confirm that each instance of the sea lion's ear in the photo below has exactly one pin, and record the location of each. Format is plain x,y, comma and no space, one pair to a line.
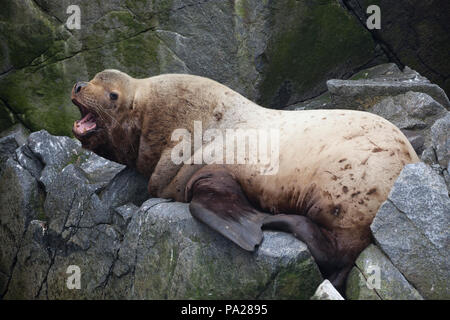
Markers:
218,201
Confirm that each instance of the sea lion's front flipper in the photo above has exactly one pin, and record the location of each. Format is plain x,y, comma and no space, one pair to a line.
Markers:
218,201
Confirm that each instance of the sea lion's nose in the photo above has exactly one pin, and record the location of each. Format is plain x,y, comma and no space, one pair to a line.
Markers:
80,85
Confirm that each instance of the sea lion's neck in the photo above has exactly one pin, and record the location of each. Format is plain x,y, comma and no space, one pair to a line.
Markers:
177,101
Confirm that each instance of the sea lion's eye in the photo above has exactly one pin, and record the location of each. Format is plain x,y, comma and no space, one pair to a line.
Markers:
113,96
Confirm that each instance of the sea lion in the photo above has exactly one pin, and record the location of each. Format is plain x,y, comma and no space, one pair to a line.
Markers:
335,167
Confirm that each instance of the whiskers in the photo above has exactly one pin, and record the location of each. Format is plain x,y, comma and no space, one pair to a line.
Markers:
106,115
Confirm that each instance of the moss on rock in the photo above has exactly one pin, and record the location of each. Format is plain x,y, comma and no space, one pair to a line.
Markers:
314,41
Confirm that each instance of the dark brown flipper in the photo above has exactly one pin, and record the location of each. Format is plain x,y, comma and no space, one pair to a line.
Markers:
218,201
320,242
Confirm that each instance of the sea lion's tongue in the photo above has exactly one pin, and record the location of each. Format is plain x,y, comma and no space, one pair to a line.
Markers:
85,124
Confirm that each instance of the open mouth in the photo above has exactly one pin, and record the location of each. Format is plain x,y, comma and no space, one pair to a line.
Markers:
88,122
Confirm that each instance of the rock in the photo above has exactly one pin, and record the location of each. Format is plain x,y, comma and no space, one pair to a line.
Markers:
10,140
293,58
357,288
176,257
99,169
411,228
381,73
414,113
409,111
54,152
7,118
326,291
18,131
440,135
274,54
20,202
30,270
429,156
8,146
125,248
321,102
375,277
123,215
417,141
364,94
386,72
413,33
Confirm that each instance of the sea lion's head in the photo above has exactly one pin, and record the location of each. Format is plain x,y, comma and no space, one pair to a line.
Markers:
104,103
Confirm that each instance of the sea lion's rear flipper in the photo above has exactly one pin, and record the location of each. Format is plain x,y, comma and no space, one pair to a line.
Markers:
320,242
218,201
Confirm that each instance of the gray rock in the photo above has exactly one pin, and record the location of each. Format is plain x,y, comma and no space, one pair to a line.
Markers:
326,291
123,215
126,186
54,152
100,170
387,72
8,146
411,228
30,270
321,102
380,277
29,161
363,94
429,156
20,202
10,140
410,110
414,113
440,135
357,288
18,131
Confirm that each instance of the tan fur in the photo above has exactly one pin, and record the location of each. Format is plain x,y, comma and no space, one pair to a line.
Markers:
336,166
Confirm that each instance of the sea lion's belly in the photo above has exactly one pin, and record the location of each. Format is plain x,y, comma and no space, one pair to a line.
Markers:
335,167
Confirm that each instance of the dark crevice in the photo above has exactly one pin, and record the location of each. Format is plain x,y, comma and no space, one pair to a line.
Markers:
4,73
389,52
48,13
90,49
305,100
16,115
